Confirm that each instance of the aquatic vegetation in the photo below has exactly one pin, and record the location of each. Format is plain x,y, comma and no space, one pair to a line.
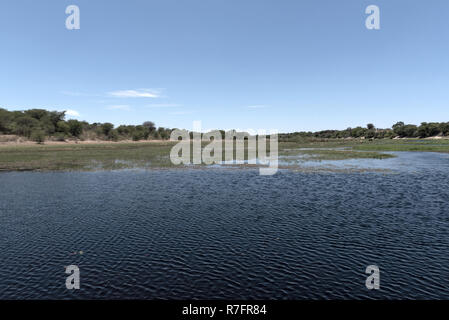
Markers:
150,155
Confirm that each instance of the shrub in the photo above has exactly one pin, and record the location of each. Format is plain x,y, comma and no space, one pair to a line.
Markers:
60,136
63,127
137,135
75,127
113,135
38,136
107,128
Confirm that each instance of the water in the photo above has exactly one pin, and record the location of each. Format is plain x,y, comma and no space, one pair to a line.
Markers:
403,162
219,233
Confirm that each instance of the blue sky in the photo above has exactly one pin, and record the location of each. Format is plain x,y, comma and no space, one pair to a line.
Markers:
261,64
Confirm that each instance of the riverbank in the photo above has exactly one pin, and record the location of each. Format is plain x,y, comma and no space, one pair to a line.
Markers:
11,140
95,155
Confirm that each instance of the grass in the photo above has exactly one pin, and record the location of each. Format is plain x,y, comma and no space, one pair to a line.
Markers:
112,156
85,157
421,145
320,154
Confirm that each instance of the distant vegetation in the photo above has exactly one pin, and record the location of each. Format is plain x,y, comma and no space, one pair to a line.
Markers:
399,130
39,125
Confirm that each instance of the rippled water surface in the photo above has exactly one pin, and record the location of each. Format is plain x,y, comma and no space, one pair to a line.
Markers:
220,233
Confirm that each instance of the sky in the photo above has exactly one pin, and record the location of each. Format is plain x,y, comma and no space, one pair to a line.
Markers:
289,65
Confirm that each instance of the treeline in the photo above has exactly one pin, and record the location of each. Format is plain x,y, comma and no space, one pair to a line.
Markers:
399,130
39,125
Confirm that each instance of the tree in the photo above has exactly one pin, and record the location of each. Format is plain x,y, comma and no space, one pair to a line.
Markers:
358,132
444,128
150,125
37,114
113,135
141,132
398,128
106,128
370,126
75,128
38,136
6,119
409,130
63,127
428,129
56,117
24,125
163,133
137,135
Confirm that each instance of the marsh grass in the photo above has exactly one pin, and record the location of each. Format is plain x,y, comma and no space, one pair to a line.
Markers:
85,157
320,154
112,156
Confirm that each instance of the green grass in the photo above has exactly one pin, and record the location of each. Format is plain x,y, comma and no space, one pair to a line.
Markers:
420,145
406,145
112,156
318,154
85,157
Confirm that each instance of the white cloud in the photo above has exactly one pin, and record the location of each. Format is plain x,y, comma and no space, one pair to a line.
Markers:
140,93
119,107
72,113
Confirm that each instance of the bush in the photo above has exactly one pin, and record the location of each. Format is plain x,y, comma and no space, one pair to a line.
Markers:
106,128
75,127
63,127
38,136
149,125
113,135
137,135
60,136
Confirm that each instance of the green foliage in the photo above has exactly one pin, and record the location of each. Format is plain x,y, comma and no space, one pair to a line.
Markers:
428,129
56,117
24,125
444,128
409,130
399,129
38,136
59,136
164,133
62,127
53,124
107,128
137,135
75,127
5,121
149,125
113,135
